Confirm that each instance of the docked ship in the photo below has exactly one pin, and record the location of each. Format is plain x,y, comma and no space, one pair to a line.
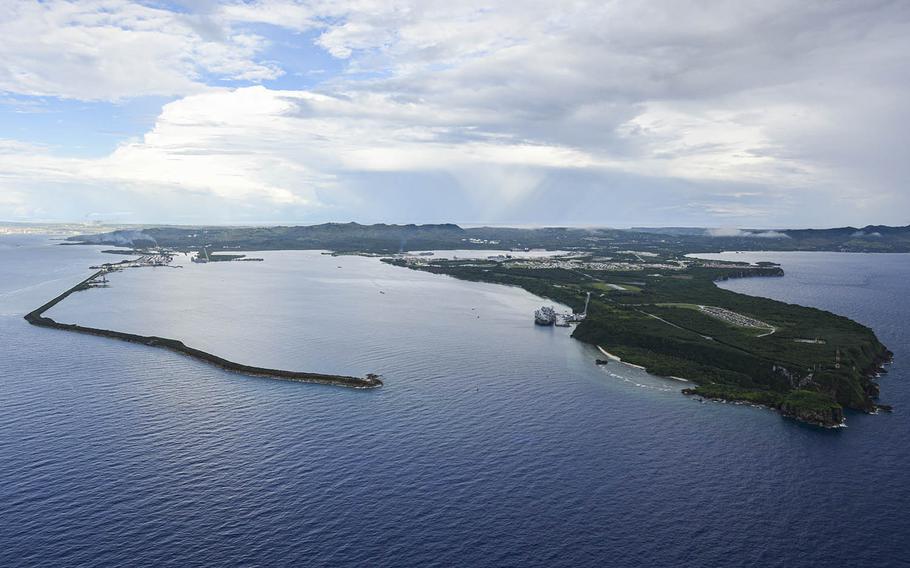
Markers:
549,316
545,316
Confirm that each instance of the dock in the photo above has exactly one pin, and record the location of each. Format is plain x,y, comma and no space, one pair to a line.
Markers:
37,318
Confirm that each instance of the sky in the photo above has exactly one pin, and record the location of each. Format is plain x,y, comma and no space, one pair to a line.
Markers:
764,114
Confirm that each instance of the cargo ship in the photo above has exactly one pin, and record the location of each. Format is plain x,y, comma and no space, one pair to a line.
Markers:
545,316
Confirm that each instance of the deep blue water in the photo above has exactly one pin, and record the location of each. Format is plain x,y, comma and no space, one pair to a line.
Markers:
493,443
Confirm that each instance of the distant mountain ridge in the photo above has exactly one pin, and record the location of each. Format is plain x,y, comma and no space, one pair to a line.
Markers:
334,236
390,238
706,231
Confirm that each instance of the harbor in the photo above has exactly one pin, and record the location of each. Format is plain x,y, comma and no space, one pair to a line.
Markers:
548,316
155,258
99,279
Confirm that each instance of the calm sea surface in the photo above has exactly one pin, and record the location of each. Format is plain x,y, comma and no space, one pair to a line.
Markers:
492,443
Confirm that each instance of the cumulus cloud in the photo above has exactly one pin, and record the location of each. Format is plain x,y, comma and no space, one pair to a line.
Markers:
113,49
775,112
288,146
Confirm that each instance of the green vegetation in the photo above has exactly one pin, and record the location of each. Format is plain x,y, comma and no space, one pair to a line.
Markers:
727,392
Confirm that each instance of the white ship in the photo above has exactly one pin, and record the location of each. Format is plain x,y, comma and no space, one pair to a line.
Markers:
545,316
549,316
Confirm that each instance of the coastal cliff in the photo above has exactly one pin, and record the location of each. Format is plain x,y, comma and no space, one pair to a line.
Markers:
806,406
827,415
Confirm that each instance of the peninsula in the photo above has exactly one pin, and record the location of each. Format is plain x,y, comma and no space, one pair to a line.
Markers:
669,317
651,303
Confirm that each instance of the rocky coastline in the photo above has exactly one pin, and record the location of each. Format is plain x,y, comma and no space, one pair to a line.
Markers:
829,417
825,416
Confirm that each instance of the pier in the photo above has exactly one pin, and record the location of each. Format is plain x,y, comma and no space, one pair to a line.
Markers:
36,317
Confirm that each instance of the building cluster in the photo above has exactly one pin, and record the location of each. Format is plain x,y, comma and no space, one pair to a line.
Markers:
734,318
710,264
480,241
604,266
553,263
159,258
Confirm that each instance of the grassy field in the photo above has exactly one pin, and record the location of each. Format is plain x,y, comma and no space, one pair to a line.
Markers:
615,287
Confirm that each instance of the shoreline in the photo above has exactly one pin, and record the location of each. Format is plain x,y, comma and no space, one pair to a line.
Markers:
613,357
37,318
826,425
616,358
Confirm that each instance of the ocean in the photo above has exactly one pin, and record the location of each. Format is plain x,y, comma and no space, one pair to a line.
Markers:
494,442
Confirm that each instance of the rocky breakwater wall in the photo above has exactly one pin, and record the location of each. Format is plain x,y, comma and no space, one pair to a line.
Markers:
37,318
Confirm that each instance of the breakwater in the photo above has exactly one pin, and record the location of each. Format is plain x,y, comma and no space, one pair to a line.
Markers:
36,317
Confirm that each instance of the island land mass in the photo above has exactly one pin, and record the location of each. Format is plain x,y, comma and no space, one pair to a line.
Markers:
638,295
